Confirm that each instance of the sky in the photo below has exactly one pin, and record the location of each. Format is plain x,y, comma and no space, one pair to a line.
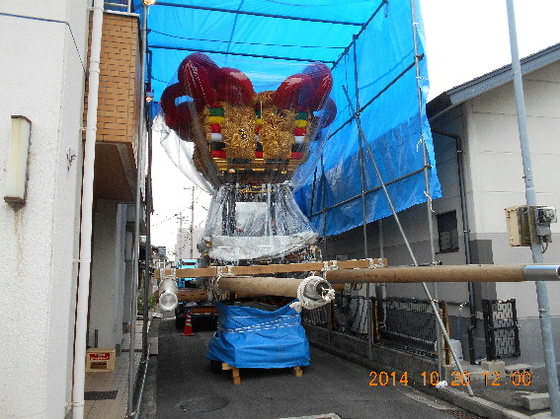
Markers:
464,40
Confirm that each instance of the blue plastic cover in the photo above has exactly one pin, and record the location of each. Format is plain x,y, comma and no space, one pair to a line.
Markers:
375,49
248,337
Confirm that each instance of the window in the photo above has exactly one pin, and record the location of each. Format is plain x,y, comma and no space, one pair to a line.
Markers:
448,237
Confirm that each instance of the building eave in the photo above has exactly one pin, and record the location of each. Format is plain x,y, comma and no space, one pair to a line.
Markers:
489,81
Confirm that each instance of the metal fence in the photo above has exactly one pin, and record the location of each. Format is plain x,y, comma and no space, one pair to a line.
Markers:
348,314
407,324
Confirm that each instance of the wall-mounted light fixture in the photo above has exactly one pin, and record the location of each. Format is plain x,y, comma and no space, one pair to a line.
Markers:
16,170
149,2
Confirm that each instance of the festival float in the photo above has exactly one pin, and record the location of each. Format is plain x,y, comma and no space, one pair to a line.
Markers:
247,146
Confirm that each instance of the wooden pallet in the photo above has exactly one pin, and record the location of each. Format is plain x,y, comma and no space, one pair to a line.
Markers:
236,377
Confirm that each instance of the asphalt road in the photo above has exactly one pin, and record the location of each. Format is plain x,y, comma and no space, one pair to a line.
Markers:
182,384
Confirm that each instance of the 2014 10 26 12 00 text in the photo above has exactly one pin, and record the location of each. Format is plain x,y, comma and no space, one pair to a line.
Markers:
456,378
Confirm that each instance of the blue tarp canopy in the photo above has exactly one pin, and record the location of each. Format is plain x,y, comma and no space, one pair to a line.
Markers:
376,53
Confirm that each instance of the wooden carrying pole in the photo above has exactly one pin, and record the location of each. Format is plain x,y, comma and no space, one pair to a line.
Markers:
280,287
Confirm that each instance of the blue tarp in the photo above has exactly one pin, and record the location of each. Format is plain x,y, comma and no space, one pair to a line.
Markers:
248,337
371,46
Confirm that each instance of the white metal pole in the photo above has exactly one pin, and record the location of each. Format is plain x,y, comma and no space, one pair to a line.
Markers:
141,160
84,273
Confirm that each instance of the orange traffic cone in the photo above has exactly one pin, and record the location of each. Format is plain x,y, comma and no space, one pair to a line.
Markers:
187,331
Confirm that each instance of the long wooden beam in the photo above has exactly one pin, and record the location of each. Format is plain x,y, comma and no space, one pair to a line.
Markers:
238,278
271,269
259,285
336,277
430,273
449,273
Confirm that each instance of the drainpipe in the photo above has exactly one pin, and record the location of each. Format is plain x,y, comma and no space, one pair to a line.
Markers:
466,235
84,276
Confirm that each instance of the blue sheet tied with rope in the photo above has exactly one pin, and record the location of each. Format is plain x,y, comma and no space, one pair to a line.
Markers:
248,337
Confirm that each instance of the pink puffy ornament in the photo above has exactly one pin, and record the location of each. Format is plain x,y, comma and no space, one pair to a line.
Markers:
293,92
177,117
196,74
168,105
184,127
305,91
234,87
327,113
322,84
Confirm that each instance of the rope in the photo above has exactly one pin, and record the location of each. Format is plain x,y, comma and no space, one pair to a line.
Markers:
214,284
284,321
308,303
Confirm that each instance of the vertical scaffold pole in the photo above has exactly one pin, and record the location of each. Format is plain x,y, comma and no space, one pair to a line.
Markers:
403,235
361,140
427,166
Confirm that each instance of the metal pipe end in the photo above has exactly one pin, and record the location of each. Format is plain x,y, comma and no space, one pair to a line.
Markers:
316,288
168,301
541,272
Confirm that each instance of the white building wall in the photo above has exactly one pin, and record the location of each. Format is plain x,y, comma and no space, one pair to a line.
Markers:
41,77
108,275
129,210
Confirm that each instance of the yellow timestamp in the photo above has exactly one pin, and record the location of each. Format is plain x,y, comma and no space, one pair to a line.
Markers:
516,378
456,378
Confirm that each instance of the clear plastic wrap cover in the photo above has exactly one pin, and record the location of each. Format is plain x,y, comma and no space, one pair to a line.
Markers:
248,337
251,222
181,154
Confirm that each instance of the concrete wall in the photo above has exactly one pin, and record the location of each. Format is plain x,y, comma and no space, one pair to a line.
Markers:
497,175
42,77
496,166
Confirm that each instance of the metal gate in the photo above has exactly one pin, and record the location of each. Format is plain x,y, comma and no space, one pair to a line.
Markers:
501,330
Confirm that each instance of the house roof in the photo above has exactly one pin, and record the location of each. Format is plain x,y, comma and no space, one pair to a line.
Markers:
489,81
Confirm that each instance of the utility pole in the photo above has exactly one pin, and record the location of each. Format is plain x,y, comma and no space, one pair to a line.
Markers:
191,244
179,253
192,223
531,198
